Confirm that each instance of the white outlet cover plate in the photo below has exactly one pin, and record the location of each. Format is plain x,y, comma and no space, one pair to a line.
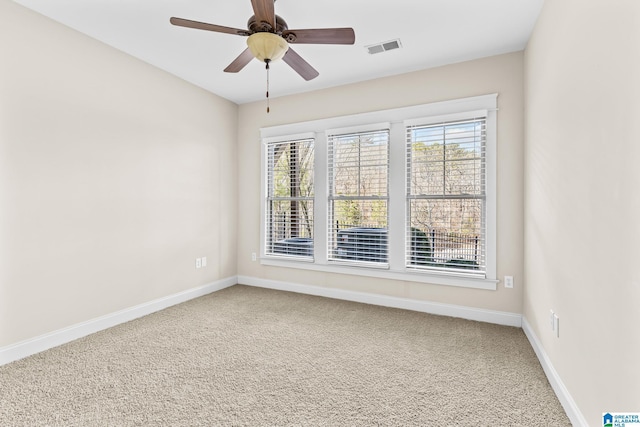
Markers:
508,281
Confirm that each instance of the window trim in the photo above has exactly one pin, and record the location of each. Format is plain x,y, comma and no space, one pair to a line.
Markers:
397,118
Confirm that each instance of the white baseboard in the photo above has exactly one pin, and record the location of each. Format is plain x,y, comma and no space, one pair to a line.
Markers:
62,336
470,313
567,402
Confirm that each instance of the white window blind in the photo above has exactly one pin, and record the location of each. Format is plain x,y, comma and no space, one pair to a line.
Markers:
358,170
289,201
446,196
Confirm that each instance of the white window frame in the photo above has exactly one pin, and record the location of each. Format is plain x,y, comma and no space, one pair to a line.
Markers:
377,127
397,118
437,120
267,217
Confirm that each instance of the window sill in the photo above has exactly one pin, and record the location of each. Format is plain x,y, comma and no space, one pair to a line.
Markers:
447,279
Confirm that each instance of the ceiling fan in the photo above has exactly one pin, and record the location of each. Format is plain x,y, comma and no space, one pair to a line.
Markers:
269,38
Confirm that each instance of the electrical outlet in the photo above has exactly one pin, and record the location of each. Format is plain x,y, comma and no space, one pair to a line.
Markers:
552,320
508,281
198,262
204,261
556,325
254,257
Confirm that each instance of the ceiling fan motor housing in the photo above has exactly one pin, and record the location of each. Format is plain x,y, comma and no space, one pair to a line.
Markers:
256,26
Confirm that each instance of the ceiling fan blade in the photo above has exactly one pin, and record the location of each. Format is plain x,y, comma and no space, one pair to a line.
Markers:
240,62
265,11
300,66
209,27
321,36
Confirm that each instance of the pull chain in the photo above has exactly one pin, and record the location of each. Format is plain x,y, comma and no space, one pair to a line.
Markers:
267,62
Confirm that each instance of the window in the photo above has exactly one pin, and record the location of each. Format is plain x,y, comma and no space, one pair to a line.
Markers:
289,203
358,168
446,196
407,194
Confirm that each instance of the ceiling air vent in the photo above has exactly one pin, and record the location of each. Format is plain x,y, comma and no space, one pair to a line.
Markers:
383,47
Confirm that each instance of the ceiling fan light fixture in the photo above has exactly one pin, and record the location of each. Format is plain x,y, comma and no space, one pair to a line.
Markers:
267,46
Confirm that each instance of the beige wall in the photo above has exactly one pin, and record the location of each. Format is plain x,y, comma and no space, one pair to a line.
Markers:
114,177
582,205
501,74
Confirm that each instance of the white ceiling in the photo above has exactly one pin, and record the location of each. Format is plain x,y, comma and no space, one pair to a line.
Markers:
432,33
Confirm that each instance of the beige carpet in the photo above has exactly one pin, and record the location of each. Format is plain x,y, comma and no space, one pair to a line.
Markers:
257,357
